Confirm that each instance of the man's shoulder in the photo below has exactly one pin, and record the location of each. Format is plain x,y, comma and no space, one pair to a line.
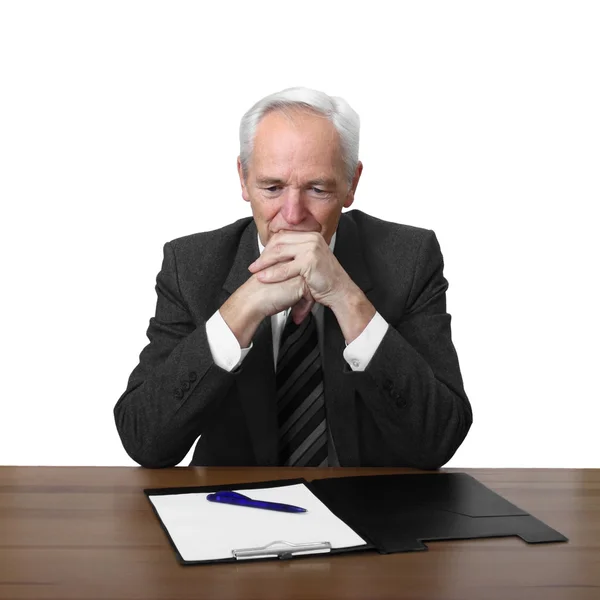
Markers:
228,235
379,231
394,254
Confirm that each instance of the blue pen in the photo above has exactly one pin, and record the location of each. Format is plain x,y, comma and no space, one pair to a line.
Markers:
241,500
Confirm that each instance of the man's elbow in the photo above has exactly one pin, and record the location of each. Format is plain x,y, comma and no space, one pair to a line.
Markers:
442,449
141,446
152,462
148,458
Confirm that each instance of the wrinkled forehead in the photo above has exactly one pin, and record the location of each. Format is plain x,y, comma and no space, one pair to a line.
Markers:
297,140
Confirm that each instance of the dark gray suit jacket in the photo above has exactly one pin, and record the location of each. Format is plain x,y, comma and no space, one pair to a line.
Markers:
408,408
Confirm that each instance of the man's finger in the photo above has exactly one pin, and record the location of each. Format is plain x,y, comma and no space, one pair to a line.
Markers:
301,309
284,246
279,272
270,258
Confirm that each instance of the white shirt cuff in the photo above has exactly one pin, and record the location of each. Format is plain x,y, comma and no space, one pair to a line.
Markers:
359,352
224,347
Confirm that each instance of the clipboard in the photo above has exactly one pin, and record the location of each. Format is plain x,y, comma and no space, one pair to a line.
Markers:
390,513
271,546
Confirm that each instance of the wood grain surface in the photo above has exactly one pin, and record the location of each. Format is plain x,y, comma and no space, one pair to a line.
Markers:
90,533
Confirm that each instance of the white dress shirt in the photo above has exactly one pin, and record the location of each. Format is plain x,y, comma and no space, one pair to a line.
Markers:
228,354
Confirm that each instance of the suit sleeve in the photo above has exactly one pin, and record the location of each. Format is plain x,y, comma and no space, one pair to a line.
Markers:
413,385
170,393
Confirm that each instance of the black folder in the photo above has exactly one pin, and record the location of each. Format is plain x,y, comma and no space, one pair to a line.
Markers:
399,513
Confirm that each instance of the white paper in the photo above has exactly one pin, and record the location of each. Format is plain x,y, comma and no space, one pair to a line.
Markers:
204,530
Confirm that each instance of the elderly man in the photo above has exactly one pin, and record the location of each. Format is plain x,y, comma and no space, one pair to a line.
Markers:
303,336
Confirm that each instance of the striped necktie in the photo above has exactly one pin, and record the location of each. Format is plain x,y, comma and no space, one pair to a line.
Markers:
300,397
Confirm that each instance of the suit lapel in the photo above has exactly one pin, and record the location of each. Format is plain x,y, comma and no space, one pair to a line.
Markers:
339,386
256,390
258,396
349,252
247,253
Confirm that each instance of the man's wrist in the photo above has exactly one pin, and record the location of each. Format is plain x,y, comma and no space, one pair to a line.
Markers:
241,319
353,311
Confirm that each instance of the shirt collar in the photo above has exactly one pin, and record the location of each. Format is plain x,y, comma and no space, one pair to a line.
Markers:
331,244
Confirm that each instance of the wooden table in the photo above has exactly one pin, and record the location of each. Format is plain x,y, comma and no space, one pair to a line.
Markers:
90,533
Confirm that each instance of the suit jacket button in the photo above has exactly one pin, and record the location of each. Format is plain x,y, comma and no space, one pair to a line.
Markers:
185,386
178,394
193,376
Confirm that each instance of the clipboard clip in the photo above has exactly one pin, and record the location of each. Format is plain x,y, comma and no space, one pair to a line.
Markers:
282,550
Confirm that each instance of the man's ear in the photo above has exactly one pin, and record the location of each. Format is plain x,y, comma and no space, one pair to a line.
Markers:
245,194
350,197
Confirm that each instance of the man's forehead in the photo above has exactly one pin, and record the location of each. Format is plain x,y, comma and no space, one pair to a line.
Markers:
284,149
279,137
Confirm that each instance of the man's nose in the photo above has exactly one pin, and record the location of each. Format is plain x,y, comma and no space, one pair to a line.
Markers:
293,209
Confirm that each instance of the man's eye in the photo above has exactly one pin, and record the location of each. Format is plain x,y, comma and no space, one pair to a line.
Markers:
272,189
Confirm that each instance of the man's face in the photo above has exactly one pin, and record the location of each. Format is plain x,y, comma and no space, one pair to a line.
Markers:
296,178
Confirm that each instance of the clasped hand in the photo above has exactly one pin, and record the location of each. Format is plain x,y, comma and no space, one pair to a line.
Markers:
298,269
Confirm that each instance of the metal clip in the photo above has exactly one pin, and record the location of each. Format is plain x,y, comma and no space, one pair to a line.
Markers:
282,549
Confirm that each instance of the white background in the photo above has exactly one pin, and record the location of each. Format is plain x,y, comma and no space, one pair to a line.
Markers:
119,131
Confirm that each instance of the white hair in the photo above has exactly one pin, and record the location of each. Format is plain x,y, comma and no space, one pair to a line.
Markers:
344,118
